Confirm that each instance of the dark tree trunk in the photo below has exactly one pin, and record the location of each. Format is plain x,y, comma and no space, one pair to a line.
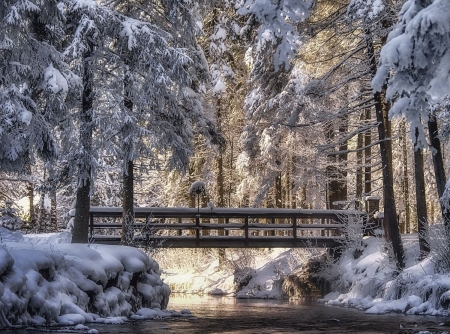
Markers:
278,187
368,157
278,193
83,204
438,163
128,205
422,218
53,216
359,162
406,182
391,228
42,214
30,191
220,175
128,173
336,173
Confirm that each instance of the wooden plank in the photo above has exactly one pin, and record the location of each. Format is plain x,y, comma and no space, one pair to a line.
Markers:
212,226
158,212
230,241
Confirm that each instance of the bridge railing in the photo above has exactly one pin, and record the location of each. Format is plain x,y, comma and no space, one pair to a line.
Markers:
224,227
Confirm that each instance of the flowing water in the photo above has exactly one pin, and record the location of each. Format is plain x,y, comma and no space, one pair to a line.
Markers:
229,315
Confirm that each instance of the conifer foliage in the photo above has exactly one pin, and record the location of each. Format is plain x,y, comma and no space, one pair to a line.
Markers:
35,82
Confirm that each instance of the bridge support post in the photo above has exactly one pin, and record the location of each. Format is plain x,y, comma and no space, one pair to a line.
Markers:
91,226
197,231
179,231
246,231
294,230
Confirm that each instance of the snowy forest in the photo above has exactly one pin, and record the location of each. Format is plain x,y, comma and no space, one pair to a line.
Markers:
272,103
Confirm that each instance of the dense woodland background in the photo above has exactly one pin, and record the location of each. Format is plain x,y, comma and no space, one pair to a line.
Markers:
287,104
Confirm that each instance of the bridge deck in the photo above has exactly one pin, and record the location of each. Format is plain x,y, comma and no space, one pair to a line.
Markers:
224,227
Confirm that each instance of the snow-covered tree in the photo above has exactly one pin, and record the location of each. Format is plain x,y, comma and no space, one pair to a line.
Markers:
414,64
140,90
35,82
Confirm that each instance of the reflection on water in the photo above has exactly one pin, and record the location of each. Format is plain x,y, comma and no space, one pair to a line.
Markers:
230,315
226,315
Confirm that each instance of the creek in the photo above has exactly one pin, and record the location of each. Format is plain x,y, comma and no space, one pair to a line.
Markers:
229,315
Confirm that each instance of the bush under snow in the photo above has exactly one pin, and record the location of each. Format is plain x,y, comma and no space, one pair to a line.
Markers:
370,282
69,284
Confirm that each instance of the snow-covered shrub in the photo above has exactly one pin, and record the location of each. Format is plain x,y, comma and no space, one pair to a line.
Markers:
182,259
353,232
438,238
9,217
300,256
241,259
351,244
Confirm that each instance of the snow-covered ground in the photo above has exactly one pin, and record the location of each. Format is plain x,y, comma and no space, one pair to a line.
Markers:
368,282
44,280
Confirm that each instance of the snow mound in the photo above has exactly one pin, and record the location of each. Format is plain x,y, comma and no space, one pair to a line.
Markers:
55,283
370,283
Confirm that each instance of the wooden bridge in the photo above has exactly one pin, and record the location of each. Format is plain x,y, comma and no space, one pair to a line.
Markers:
224,227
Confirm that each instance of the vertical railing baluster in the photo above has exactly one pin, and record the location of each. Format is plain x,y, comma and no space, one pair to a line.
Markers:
180,231
272,233
91,225
197,231
246,230
227,221
294,230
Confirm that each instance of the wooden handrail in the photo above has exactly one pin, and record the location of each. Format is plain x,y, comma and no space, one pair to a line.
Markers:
156,221
176,212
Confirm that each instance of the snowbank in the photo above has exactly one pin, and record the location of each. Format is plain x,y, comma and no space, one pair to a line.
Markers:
44,283
370,283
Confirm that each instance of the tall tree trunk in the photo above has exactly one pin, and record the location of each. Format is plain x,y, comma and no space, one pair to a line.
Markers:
343,158
391,228
30,191
230,181
220,175
83,204
278,193
337,183
422,218
128,205
359,162
53,216
438,164
368,157
278,187
293,193
406,180
42,214
128,174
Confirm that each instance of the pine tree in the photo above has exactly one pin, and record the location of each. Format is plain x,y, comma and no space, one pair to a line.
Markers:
415,58
35,83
